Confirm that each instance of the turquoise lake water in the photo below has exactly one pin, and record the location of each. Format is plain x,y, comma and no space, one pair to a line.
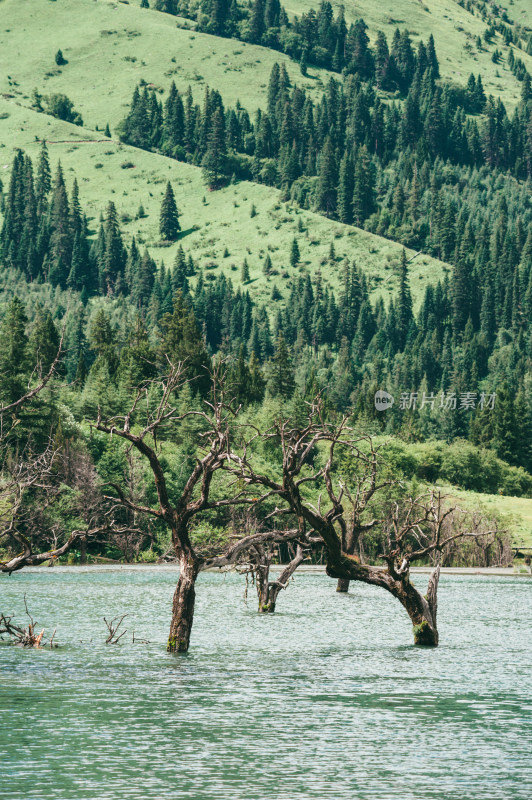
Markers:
328,698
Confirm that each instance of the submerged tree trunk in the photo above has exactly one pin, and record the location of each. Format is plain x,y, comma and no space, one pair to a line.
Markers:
267,590
422,610
183,606
343,585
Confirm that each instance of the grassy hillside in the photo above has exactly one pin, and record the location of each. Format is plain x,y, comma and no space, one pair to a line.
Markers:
518,511
454,29
211,221
110,47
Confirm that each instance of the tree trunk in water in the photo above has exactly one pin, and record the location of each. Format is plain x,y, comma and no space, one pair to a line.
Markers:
343,585
422,610
267,590
266,599
183,606
83,550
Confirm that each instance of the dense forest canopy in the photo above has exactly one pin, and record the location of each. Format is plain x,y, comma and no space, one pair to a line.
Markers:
389,146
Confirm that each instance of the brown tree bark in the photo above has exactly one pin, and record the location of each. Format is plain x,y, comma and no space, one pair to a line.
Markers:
183,605
421,609
268,591
343,585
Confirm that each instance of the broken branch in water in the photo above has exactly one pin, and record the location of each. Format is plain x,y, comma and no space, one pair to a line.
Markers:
113,628
24,637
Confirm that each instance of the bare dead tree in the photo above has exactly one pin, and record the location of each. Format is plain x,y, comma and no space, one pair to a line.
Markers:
260,559
113,626
25,472
253,553
178,512
481,548
357,521
417,528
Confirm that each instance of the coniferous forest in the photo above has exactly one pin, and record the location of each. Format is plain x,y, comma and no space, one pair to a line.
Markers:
265,395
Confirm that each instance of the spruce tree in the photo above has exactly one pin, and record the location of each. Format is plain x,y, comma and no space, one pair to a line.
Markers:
295,255
404,313
214,160
14,360
281,382
43,183
44,341
256,22
346,189
181,340
169,217
327,180
363,187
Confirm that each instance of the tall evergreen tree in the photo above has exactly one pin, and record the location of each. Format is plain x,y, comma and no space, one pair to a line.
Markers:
404,313
214,161
169,226
281,381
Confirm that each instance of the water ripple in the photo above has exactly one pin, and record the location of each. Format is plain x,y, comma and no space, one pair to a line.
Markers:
326,699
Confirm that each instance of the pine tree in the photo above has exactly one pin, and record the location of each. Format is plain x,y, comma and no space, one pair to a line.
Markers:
346,189
256,380
327,180
244,274
182,341
404,313
103,340
303,60
281,381
111,254
432,58
256,22
214,160
295,255
506,427
44,341
61,238
169,226
43,183
14,359
363,187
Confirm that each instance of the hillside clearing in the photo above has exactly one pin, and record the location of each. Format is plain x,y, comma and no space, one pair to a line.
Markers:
210,221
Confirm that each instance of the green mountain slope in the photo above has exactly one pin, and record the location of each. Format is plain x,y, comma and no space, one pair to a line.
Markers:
211,221
110,47
455,30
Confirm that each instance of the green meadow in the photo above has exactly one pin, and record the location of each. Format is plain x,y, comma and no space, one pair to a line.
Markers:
112,47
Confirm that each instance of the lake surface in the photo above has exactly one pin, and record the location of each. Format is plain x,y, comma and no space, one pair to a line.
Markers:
326,699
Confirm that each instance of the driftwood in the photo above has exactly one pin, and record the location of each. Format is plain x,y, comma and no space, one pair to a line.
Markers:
24,637
113,627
